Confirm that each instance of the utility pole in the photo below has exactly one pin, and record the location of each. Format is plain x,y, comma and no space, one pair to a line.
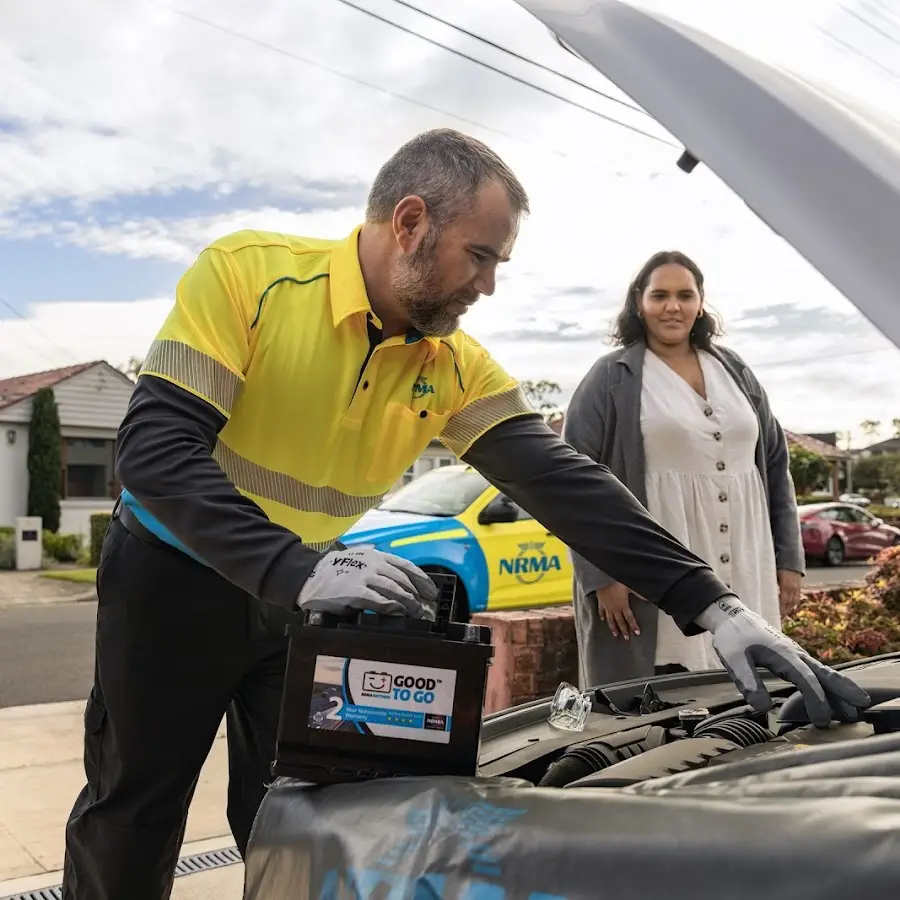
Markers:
849,469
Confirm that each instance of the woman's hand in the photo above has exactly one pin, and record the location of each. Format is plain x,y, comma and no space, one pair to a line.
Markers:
789,595
615,610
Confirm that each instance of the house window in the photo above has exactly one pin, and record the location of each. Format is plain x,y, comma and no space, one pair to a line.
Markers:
89,469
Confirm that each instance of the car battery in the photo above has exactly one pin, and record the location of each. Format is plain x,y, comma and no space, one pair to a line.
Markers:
370,696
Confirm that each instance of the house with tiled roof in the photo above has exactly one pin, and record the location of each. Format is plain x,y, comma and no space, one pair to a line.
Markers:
91,398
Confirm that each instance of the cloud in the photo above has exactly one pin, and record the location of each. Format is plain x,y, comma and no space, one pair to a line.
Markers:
790,320
181,240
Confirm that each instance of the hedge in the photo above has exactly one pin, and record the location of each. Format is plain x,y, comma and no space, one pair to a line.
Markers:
888,513
63,548
99,524
7,550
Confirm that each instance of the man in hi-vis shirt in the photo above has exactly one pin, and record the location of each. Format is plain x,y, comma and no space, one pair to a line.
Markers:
282,399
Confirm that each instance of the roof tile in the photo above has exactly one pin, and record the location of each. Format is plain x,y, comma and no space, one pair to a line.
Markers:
21,387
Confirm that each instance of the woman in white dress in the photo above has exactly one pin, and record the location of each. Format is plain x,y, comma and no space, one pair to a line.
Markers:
687,427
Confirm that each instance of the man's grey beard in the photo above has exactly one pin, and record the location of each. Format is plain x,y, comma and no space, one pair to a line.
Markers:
417,289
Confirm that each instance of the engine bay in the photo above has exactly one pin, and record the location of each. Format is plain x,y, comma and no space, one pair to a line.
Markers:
674,788
640,734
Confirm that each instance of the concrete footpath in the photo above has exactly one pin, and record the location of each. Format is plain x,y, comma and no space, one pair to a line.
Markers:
27,588
41,773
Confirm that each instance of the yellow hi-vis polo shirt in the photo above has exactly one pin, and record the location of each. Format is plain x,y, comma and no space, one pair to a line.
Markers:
273,331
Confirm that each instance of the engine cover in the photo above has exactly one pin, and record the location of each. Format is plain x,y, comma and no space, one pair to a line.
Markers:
502,839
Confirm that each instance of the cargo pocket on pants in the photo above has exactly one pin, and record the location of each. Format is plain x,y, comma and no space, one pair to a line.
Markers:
94,731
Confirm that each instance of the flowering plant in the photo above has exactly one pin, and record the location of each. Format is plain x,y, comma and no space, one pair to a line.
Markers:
840,625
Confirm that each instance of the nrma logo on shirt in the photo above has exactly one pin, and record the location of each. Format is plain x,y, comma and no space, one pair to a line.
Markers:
399,687
531,564
422,387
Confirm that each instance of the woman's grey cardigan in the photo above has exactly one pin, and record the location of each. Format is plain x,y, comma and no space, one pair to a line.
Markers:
603,421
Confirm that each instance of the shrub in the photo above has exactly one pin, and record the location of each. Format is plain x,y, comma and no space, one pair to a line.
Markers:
62,547
99,524
7,531
883,580
839,626
7,550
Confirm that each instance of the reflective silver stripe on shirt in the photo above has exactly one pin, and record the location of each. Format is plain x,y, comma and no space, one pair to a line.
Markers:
262,482
481,415
195,370
320,546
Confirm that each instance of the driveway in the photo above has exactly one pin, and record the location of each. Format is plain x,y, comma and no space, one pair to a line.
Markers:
27,588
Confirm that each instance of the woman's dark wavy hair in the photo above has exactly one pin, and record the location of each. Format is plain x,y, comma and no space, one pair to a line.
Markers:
629,327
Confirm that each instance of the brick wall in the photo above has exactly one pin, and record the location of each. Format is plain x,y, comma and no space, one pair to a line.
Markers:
534,649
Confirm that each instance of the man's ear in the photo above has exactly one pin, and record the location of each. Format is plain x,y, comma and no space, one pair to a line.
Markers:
410,223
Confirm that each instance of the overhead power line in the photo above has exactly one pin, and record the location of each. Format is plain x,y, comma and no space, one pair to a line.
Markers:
868,23
496,69
296,57
362,82
525,59
810,360
19,315
850,50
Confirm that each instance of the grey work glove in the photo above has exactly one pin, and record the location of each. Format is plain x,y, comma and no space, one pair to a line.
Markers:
367,579
744,640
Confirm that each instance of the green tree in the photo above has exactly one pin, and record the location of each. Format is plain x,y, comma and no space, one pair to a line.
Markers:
132,368
879,474
870,427
809,470
44,460
895,424
541,394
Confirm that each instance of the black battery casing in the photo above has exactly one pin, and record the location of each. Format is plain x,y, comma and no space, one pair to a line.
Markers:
332,753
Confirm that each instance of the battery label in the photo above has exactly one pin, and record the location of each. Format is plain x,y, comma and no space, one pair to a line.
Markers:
382,699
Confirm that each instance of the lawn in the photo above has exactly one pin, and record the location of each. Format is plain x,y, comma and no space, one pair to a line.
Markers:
82,576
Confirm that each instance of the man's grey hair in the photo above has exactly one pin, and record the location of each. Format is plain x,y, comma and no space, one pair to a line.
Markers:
446,168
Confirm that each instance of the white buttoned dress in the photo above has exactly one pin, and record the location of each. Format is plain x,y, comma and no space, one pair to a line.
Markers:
703,486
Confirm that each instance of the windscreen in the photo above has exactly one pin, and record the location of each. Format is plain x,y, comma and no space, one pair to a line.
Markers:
441,492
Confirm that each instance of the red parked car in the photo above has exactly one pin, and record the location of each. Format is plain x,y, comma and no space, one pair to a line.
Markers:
834,532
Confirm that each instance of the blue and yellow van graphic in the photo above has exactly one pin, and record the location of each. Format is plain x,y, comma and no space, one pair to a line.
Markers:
452,520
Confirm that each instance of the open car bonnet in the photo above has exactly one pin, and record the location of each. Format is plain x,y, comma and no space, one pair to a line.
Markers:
820,169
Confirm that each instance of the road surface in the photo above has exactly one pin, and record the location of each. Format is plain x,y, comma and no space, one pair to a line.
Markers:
47,652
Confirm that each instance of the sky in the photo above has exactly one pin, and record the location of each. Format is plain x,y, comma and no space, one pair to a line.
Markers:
134,132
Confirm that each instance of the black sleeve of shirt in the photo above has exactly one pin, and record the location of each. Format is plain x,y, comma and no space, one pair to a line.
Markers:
594,514
163,457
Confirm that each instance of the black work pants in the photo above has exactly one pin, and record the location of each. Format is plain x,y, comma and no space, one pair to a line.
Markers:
177,647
